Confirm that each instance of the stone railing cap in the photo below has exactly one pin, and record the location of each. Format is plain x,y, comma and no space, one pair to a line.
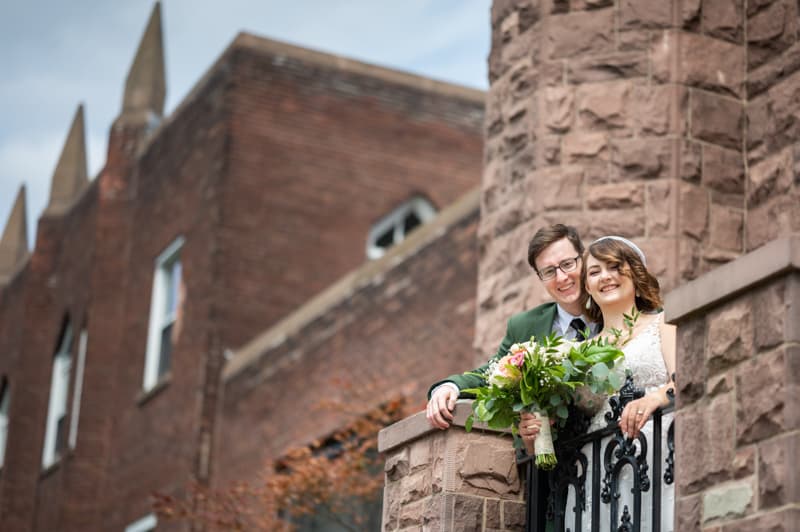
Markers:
417,426
776,257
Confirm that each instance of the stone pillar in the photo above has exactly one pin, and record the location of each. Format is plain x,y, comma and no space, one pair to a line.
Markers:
738,375
619,117
450,480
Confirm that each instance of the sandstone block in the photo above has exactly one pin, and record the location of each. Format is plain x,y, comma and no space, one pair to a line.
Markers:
769,314
628,223
726,228
719,384
690,438
716,119
778,217
645,14
770,178
522,81
514,515
723,170
768,74
729,501
704,435
771,30
578,33
658,252
689,253
693,207
695,53
548,149
690,10
691,161
603,106
419,454
494,518
554,188
641,158
396,465
778,480
652,108
556,108
489,468
744,463
784,520
723,19
635,40
615,196
610,67
583,147
521,47
467,513
762,392
689,513
691,368
415,487
659,214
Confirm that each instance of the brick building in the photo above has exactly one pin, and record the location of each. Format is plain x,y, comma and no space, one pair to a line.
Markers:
674,123
253,207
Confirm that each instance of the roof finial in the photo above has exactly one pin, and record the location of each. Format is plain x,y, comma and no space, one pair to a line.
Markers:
70,176
14,243
145,86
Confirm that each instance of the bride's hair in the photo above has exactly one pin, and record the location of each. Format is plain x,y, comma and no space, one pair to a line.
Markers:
611,251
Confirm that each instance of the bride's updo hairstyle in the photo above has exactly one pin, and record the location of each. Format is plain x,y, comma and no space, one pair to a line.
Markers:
631,265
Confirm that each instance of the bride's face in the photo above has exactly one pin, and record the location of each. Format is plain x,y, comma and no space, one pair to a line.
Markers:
608,285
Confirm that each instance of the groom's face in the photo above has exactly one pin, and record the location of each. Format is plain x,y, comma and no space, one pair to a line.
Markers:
564,287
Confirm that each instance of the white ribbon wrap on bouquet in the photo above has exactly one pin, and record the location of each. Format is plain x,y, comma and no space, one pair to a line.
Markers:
544,440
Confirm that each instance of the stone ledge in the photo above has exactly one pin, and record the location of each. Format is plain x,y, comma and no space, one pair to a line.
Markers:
777,257
416,426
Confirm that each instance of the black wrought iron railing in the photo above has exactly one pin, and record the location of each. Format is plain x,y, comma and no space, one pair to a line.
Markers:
604,481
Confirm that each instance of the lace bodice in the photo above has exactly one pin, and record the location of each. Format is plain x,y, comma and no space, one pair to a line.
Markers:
644,358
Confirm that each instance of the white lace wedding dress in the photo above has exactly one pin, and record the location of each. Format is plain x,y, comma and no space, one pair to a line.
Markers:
644,359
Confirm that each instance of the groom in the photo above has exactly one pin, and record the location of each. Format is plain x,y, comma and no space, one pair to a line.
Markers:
554,253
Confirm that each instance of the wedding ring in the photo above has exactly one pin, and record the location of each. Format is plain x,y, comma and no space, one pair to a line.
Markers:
640,412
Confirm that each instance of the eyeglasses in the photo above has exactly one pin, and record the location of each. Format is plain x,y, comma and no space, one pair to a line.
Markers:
566,266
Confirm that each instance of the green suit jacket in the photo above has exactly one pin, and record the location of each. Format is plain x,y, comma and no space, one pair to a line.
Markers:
536,322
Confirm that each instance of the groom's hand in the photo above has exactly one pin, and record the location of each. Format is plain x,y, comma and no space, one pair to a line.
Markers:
440,407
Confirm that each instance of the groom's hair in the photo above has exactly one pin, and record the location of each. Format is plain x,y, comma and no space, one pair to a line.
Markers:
548,235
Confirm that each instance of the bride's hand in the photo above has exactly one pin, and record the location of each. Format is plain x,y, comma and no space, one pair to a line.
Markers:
529,426
636,414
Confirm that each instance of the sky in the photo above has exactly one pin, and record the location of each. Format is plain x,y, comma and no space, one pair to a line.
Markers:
55,55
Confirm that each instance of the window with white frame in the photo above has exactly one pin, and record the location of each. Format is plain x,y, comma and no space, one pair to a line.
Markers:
394,227
5,399
55,432
77,389
145,524
164,306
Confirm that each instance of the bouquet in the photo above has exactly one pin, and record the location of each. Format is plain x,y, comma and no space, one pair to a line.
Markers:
542,378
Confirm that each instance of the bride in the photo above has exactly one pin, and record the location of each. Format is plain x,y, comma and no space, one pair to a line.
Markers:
616,280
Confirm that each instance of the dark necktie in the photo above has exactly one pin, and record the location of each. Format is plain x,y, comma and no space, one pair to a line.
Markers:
580,327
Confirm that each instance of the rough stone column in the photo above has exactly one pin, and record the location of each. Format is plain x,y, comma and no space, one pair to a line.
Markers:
738,375
619,117
449,480
773,87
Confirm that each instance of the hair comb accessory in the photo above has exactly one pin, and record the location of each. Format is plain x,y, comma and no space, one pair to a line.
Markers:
627,242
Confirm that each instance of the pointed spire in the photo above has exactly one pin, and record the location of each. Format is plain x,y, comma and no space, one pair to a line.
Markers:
145,87
14,243
70,176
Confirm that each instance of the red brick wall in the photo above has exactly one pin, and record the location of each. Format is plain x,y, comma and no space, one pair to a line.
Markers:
317,156
405,327
248,182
